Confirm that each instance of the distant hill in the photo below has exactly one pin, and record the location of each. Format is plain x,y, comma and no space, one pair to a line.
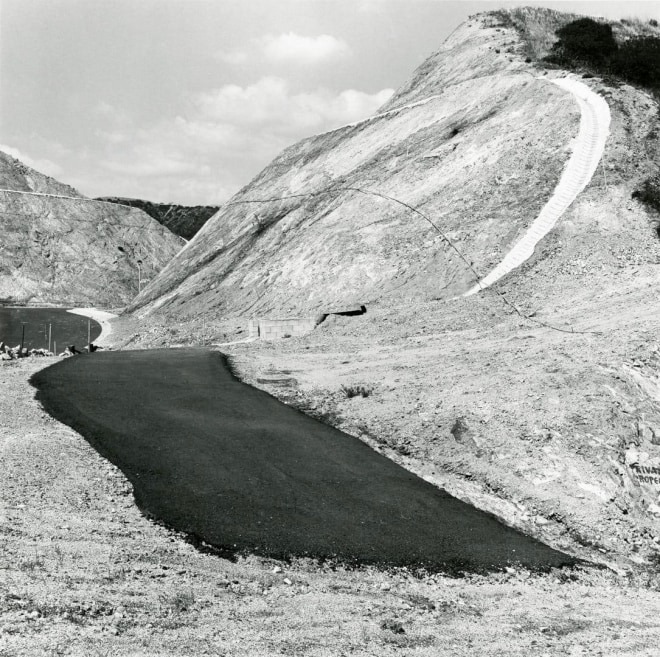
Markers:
59,247
16,175
182,220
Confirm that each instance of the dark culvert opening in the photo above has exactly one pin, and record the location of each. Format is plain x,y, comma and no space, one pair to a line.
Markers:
343,313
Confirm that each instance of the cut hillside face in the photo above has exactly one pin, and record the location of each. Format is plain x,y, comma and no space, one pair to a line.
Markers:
475,142
544,409
58,247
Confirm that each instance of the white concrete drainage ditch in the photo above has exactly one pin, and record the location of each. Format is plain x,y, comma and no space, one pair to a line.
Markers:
588,149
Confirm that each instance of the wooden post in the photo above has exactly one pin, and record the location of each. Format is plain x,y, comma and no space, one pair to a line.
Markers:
55,347
22,336
50,334
89,334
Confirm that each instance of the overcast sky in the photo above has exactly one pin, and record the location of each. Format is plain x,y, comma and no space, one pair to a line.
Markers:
187,100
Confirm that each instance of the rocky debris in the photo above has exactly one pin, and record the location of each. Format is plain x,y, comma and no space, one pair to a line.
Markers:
12,353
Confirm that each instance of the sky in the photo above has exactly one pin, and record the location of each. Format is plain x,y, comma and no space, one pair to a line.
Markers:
185,101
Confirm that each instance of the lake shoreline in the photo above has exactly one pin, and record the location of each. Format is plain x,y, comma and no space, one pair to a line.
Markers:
102,317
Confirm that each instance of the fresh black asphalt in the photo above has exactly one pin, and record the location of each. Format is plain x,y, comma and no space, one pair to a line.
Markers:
234,467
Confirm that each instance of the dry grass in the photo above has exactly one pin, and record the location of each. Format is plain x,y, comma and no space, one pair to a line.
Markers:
537,27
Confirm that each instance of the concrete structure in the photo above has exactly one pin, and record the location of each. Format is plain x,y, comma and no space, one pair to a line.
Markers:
588,148
274,329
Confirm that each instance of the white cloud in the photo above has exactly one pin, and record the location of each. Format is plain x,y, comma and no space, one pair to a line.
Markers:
270,104
287,49
41,165
228,135
294,48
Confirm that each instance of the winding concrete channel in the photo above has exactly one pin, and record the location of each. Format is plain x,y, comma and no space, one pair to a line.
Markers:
236,468
588,148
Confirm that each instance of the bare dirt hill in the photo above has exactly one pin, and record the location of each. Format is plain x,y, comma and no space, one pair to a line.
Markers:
475,141
56,246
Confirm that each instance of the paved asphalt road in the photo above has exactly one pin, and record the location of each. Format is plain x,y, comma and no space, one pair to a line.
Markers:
235,467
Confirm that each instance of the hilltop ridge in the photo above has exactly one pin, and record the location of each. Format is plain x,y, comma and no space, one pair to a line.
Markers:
16,175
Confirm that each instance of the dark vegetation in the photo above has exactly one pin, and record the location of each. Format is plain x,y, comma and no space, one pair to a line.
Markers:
628,50
584,42
355,391
182,220
649,194
590,46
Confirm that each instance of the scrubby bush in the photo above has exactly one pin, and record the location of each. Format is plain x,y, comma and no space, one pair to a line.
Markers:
535,25
638,61
354,391
584,41
649,194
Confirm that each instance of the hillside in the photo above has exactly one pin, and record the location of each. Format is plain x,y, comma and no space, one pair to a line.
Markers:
58,247
476,140
537,398
465,141
182,220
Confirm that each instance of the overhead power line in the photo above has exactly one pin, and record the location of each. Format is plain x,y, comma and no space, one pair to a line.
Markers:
325,192
446,239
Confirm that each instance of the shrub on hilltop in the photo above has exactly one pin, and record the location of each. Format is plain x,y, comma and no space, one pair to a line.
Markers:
649,193
638,61
584,41
591,45
535,25
628,49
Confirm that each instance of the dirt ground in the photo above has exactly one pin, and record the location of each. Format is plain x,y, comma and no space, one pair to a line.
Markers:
84,573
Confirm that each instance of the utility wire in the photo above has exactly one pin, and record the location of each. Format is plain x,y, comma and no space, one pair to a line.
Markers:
99,220
366,192
478,276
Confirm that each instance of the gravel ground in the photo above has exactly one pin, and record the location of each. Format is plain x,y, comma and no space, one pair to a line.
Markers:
84,573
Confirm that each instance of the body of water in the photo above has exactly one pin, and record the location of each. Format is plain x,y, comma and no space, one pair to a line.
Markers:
35,323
